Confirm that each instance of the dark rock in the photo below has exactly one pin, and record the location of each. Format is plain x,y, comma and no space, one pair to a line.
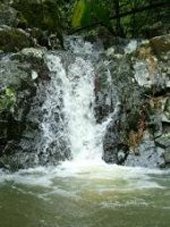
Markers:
161,44
17,91
13,39
32,13
167,156
8,15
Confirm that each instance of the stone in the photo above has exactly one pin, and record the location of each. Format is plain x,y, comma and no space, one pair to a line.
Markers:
13,39
142,75
160,44
167,157
33,52
16,95
33,14
148,155
166,110
163,141
121,156
8,15
34,75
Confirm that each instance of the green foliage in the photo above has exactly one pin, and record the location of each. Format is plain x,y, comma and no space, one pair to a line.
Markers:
86,12
78,13
8,100
121,17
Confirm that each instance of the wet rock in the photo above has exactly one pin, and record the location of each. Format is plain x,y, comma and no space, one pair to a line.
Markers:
166,110
121,156
33,58
115,83
147,155
113,149
16,96
167,156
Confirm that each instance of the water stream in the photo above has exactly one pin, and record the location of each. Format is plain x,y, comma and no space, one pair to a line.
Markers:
83,191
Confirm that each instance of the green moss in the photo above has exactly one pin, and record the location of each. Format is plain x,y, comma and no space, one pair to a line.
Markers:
12,40
8,100
160,44
45,16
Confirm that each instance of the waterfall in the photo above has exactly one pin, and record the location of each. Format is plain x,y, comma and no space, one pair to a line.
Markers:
69,125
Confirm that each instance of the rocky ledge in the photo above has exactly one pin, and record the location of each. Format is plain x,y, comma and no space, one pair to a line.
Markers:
139,80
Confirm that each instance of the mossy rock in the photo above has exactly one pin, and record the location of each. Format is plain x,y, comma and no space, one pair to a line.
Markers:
8,15
43,15
7,99
160,44
13,39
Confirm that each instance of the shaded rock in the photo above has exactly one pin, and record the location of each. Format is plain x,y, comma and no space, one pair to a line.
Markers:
8,15
16,95
13,39
166,110
160,44
45,17
33,58
115,83
167,157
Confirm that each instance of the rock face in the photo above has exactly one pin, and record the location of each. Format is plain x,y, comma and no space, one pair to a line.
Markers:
25,24
8,15
139,80
24,77
17,91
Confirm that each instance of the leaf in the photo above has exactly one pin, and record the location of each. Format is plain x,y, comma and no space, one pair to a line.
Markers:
78,13
87,12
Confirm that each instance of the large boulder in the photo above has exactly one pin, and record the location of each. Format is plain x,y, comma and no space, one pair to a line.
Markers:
146,154
20,75
138,79
13,39
160,44
44,15
8,15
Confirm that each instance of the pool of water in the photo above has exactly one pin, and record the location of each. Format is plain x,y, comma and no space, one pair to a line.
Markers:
88,194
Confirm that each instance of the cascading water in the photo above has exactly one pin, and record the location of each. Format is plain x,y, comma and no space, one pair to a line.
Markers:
84,191
69,121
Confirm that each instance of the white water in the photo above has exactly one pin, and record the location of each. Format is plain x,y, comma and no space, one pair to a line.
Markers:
68,117
70,96
84,191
